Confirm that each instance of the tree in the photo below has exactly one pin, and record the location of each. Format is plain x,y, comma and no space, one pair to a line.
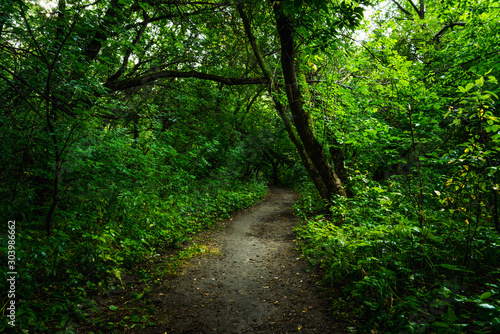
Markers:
311,151
300,117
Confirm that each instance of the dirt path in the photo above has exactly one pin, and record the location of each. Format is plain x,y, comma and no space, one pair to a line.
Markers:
255,282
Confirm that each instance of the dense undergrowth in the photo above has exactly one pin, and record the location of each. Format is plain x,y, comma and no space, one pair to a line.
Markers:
122,205
396,274
415,247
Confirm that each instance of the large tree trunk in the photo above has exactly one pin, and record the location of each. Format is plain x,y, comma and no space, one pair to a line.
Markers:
301,118
311,169
273,90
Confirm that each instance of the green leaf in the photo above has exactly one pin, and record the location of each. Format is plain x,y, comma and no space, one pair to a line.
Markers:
492,79
480,81
441,324
113,307
450,316
452,267
487,306
485,295
496,323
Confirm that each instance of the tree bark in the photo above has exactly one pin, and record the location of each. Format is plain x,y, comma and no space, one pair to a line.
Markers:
273,90
314,150
101,33
143,80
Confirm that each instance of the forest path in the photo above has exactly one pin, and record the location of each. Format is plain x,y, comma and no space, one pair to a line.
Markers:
254,281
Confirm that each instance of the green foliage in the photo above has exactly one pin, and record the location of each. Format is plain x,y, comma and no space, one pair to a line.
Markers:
120,207
415,110
398,277
101,178
416,252
115,178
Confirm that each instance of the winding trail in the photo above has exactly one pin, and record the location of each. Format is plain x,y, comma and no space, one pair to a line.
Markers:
254,281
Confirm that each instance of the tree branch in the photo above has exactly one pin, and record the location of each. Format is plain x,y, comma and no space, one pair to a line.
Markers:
122,69
451,25
401,8
142,80
416,9
95,45
253,43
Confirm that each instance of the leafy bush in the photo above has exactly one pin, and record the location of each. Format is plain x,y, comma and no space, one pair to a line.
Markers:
397,276
120,207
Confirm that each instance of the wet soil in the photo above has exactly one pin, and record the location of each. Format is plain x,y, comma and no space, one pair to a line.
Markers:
251,280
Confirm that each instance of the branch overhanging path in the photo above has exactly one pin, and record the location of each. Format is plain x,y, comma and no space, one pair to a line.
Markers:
155,76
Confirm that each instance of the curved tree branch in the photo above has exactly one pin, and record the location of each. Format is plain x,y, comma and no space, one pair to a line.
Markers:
420,11
451,25
142,80
407,13
416,8
136,40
